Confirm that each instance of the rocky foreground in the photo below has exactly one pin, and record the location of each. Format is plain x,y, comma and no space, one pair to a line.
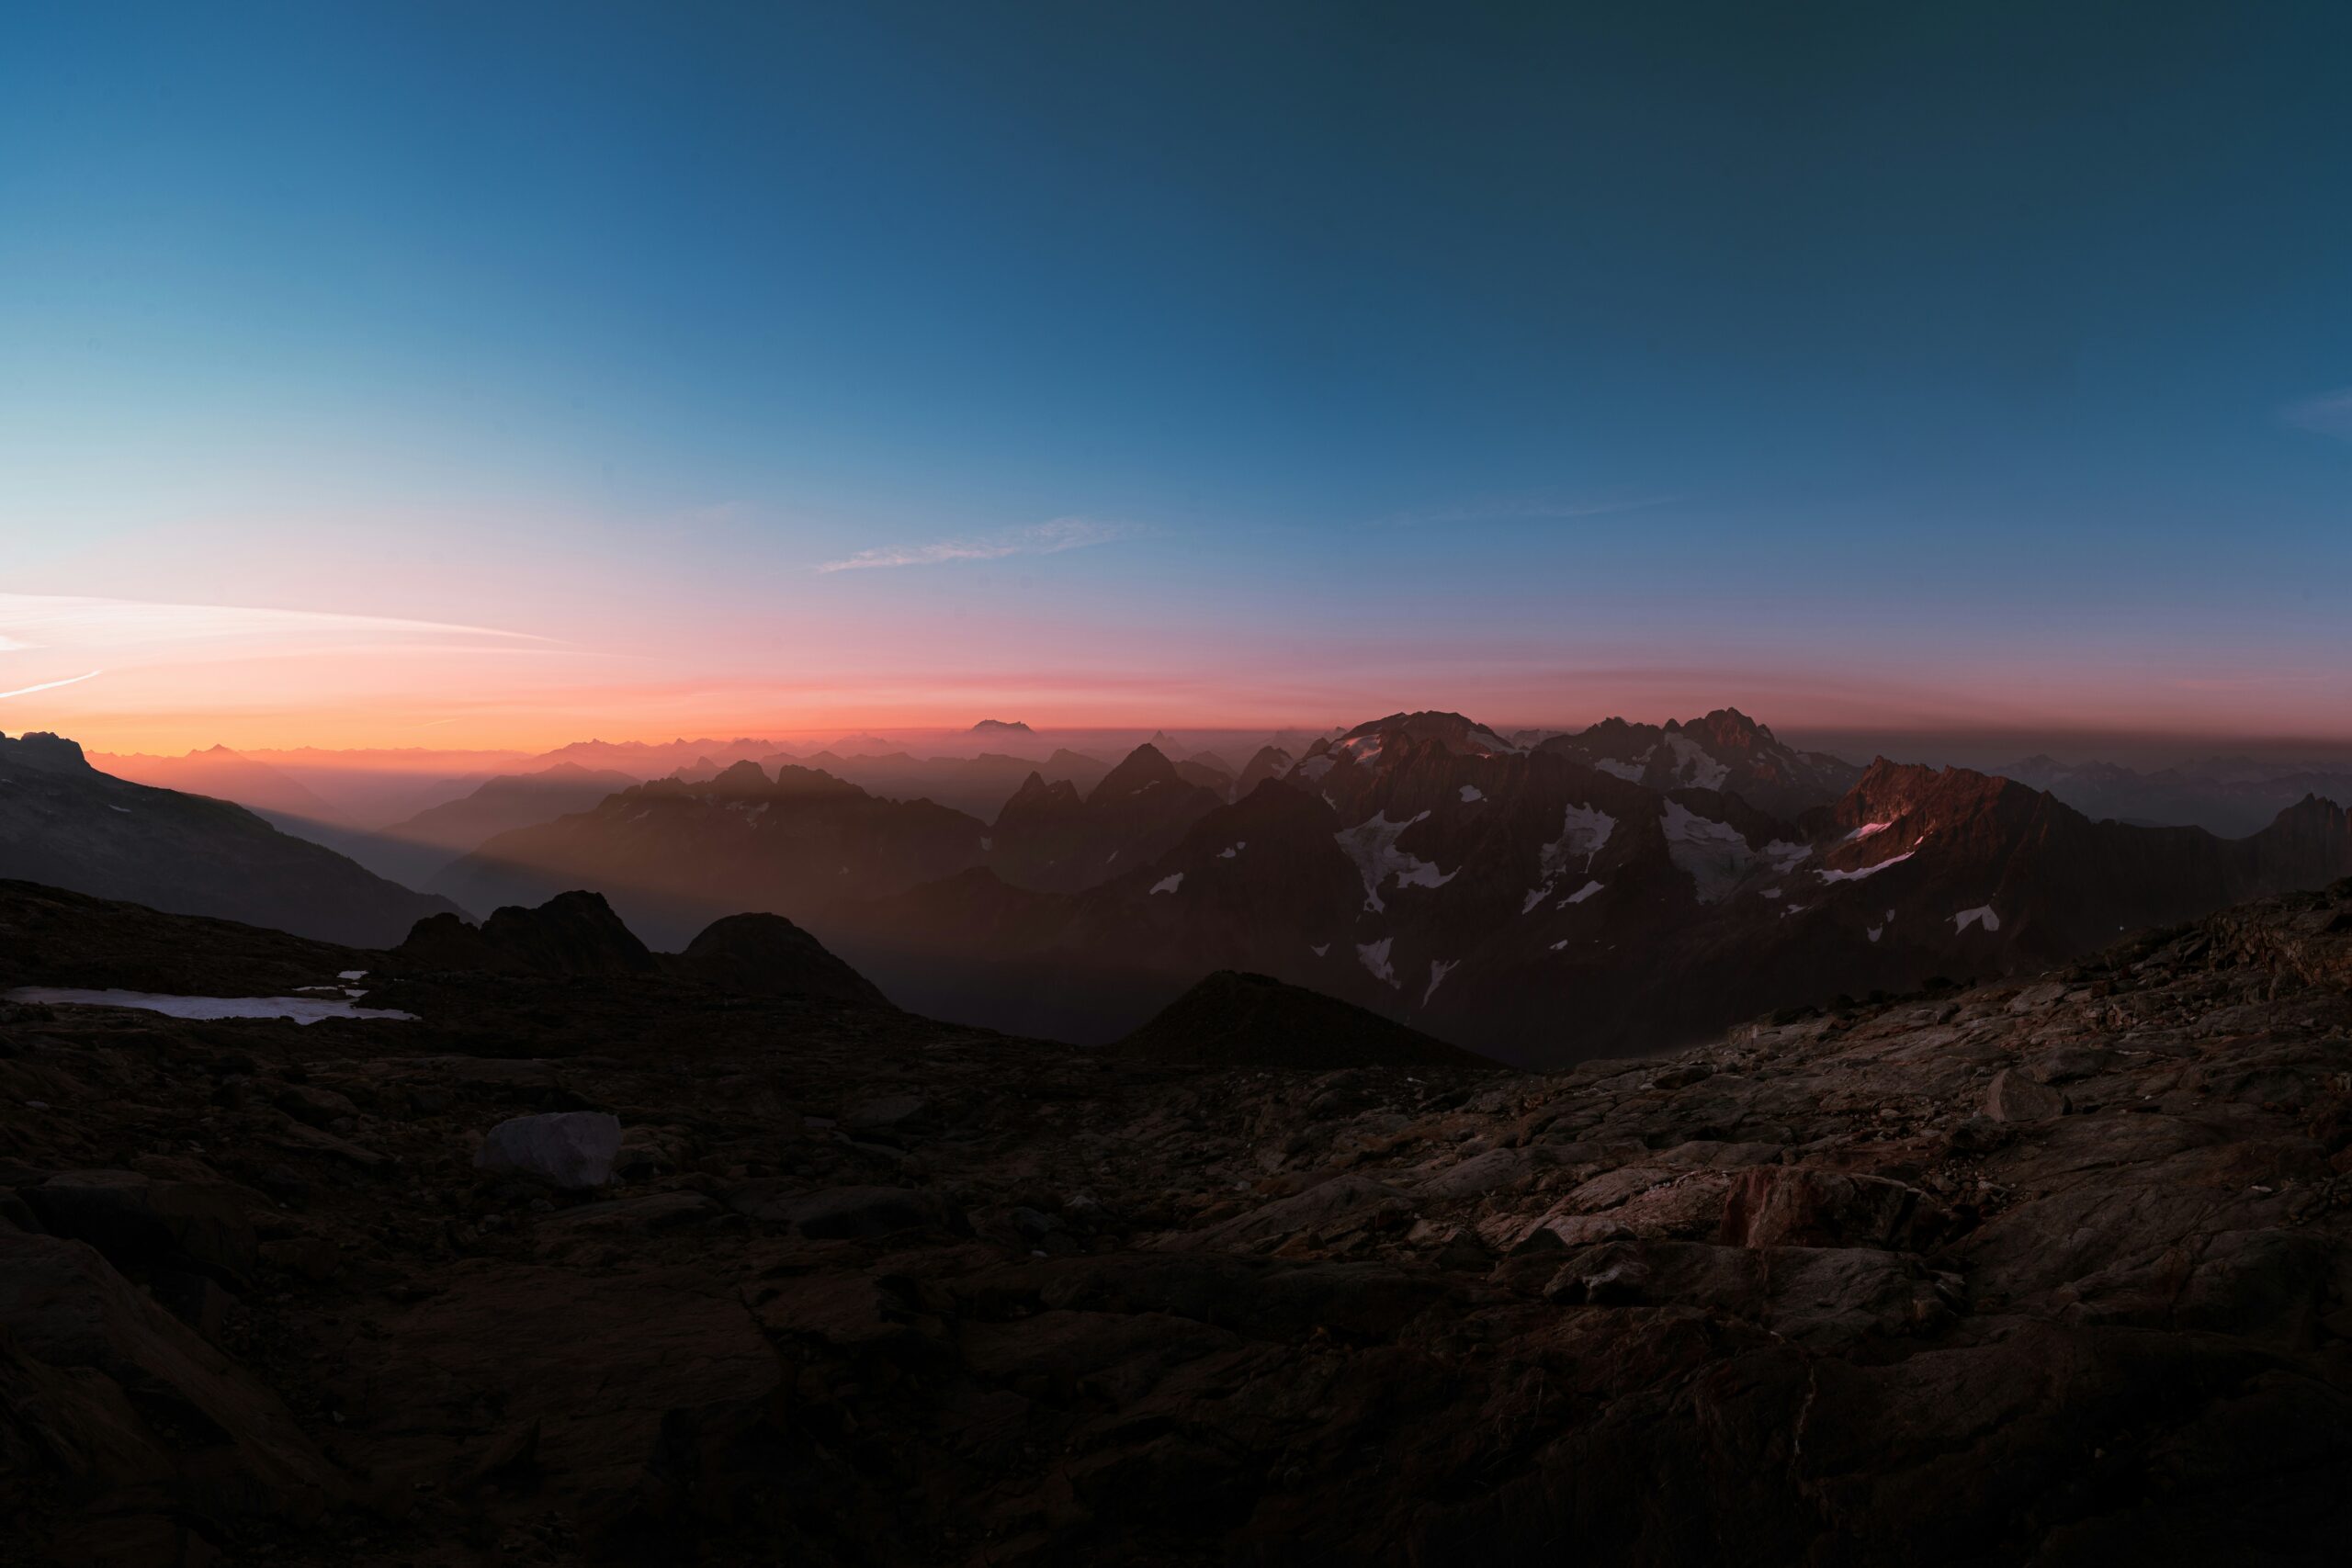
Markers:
2053,1272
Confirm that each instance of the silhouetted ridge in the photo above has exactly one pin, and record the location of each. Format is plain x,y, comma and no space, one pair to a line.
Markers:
571,934
1234,1019
1145,767
767,955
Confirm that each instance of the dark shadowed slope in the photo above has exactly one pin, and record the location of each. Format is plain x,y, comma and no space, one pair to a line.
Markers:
67,825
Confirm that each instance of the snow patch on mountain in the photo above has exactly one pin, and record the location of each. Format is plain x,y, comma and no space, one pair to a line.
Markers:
1168,884
1712,854
1866,871
1630,771
1581,895
1982,912
1439,969
1373,847
1693,764
1865,831
1373,955
1471,792
1584,830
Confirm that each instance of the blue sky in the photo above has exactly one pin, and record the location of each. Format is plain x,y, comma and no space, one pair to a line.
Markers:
1859,363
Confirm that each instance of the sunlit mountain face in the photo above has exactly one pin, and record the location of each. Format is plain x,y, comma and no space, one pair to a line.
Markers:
1169,783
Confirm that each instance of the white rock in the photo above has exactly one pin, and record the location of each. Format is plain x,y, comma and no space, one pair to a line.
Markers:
570,1148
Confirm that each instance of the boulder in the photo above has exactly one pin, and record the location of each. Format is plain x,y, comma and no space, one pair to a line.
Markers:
568,1148
898,1114
2013,1097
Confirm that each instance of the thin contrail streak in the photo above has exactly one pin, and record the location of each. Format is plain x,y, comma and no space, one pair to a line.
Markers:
51,685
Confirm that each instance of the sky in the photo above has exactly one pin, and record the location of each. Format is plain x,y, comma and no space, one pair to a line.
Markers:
456,375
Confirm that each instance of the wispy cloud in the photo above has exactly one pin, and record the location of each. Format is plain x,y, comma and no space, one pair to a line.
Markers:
1040,539
51,686
2330,413
1526,509
65,622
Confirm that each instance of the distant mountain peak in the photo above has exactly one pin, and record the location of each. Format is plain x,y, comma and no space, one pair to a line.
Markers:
1002,726
1141,768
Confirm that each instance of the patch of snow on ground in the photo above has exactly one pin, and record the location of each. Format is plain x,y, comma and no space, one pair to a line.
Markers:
1374,956
1783,857
1630,771
1876,932
1967,917
1471,792
1581,895
1866,829
1559,944
1168,884
1866,871
351,974
1693,764
1364,749
1373,847
1711,853
1315,767
302,1010
1770,893
1319,952
1438,972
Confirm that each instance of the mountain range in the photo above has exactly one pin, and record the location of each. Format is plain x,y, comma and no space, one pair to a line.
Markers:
1543,907
1544,897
